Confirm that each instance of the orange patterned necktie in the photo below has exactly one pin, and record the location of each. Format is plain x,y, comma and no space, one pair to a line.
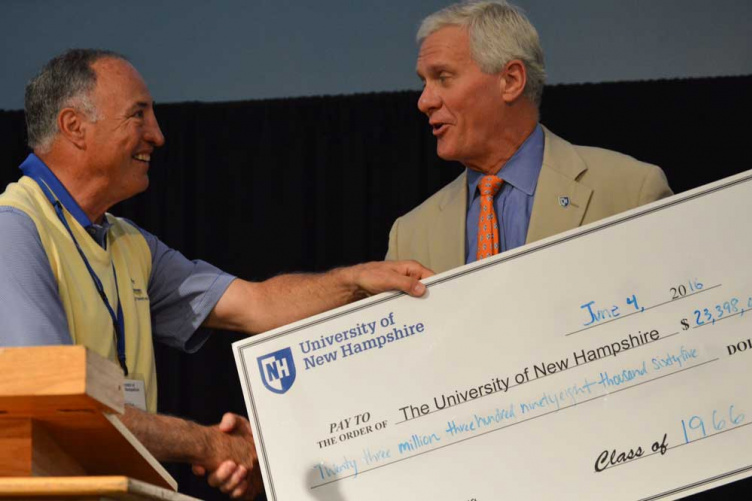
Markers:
488,225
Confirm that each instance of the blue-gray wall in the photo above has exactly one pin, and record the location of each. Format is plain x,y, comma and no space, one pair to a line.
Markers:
249,49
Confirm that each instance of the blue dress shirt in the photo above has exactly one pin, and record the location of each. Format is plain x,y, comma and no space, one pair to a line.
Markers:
514,201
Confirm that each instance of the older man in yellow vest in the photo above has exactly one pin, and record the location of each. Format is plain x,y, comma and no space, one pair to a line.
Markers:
73,273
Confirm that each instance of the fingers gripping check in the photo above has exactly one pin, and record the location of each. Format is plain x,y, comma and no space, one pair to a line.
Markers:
376,277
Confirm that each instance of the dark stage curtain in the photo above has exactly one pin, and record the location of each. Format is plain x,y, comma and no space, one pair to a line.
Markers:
264,187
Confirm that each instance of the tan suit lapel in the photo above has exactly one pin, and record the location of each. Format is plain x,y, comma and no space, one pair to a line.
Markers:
558,178
447,234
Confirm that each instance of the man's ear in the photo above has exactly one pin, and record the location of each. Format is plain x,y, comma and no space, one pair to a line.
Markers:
512,81
72,127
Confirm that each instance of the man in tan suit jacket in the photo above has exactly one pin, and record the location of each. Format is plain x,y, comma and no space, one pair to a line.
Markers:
482,66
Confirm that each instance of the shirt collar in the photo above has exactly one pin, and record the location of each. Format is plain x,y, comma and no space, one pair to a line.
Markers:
99,232
521,171
37,170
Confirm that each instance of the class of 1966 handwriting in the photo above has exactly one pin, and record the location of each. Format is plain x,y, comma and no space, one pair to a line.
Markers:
589,385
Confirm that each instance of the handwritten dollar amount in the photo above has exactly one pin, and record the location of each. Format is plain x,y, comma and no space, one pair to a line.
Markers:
718,311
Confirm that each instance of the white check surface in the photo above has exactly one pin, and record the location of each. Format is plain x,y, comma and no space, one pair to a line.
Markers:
610,362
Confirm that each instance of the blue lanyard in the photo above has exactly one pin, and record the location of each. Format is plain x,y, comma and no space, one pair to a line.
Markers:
118,321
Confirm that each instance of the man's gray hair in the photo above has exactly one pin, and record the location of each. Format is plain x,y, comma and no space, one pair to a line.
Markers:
499,32
66,80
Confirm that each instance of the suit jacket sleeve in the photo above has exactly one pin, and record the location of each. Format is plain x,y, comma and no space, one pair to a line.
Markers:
655,187
392,254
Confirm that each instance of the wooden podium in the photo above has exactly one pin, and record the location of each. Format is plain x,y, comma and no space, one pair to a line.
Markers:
60,437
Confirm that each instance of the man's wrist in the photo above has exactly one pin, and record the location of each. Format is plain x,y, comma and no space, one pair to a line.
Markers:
346,280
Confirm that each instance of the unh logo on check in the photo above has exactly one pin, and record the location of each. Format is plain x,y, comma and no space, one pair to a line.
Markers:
277,370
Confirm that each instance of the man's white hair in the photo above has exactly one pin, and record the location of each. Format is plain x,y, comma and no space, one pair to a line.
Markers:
499,32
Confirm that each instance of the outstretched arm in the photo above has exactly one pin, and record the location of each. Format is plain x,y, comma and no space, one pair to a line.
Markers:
254,307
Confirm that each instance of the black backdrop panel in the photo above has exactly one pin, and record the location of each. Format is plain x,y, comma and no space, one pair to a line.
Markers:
334,172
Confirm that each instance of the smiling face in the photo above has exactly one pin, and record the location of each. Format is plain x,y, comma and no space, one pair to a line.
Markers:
120,141
464,106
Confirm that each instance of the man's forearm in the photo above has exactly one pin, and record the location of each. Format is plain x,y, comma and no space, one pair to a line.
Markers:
254,307
257,307
168,438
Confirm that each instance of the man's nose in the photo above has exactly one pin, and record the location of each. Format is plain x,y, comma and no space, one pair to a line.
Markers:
153,134
428,100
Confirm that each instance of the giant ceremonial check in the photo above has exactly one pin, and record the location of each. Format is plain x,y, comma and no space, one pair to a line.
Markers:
610,362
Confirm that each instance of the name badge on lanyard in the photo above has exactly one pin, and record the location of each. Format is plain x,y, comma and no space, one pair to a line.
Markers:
135,393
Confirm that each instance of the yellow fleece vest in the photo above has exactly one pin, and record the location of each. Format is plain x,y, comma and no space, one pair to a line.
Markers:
89,322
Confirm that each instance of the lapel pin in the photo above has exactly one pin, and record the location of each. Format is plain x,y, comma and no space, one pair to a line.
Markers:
564,202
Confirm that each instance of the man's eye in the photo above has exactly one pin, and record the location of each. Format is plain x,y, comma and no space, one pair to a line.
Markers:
139,114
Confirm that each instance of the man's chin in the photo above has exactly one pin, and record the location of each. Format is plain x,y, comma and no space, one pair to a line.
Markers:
142,186
446,153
